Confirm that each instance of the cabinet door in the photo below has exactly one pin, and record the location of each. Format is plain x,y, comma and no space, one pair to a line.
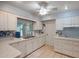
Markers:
12,22
76,21
40,41
59,24
3,20
29,46
35,44
67,22
38,25
72,21
43,40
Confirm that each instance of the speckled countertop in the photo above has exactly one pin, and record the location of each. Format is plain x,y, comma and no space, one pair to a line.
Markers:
6,50
67,38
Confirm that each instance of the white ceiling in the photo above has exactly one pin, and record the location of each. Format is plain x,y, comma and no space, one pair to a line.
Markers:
33,6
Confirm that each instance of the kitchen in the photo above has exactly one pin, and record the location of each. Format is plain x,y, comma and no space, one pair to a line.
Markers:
50,26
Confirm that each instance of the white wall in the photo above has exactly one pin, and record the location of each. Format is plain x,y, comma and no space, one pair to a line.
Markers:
17,11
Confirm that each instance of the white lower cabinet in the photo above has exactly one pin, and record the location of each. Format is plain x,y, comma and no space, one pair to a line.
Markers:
28,46
40,42
35,44
68,47
43,38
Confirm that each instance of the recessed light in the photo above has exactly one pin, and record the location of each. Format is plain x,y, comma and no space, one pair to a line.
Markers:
66,7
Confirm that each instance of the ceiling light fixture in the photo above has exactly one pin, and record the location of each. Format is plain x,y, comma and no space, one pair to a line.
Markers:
43,11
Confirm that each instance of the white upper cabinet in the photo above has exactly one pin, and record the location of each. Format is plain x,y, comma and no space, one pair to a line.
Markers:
59,24
7,21
29,46
12,22
67,22
75,21
3,21
38,25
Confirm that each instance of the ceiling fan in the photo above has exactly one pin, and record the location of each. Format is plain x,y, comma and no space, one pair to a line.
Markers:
45,8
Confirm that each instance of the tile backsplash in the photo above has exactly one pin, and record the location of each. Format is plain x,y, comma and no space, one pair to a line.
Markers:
7,34
72,32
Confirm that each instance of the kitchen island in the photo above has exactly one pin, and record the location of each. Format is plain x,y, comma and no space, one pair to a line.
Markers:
19,47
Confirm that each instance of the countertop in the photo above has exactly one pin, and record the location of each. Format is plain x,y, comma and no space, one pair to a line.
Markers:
6,50
67,38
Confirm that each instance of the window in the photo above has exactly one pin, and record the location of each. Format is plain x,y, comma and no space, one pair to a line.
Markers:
25,27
